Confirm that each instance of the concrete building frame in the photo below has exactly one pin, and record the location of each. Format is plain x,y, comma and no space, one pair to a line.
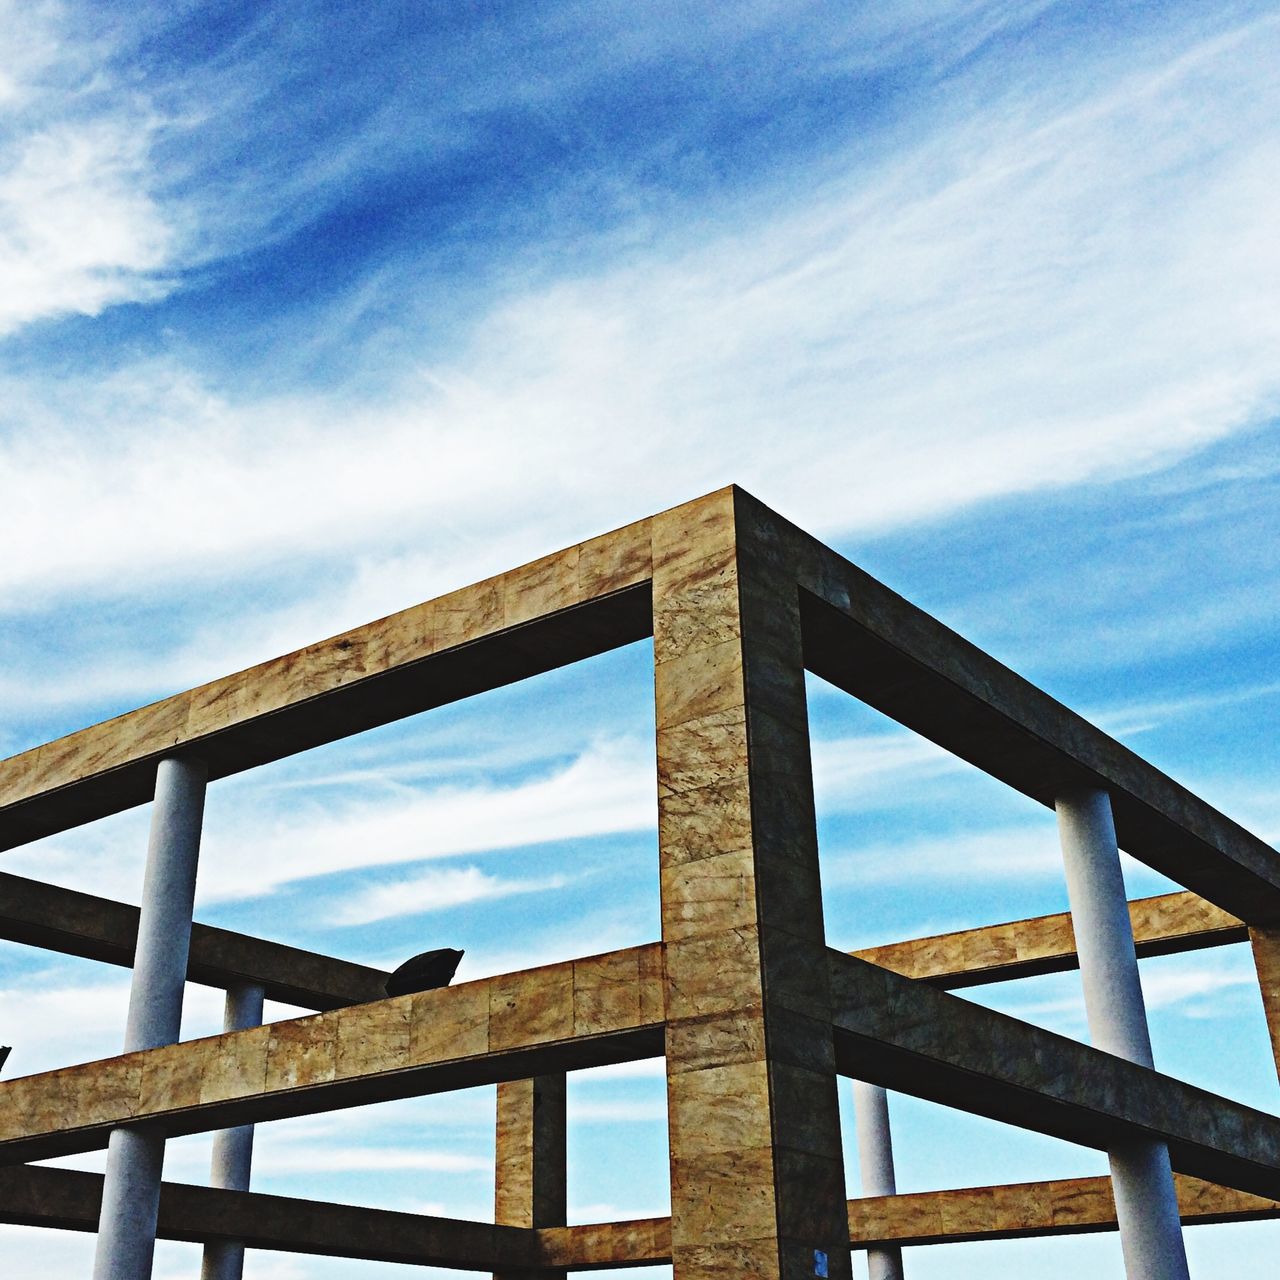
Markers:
755,1015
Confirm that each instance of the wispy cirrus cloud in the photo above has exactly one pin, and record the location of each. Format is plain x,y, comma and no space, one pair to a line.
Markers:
434,890
82,227
1113,190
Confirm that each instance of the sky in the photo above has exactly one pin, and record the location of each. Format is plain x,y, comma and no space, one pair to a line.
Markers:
309,312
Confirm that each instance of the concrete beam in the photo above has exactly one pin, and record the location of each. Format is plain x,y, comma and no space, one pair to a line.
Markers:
69,1199
581,1013
1019,1210
913,1038
1163,925
869,641
80,924
571,605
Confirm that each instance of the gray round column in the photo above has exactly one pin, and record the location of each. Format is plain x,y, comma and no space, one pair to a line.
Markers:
131,1187
875,1162
1146,1202
232,1148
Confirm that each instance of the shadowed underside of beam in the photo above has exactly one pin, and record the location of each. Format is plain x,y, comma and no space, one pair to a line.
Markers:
909,1036
571,605
80,924
70,1199
595,596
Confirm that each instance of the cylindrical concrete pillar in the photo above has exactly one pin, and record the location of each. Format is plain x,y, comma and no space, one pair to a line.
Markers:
131,1188
1146,1203
232,1148
875,1162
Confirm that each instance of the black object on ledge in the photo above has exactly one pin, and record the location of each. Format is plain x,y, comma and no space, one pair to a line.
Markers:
424,972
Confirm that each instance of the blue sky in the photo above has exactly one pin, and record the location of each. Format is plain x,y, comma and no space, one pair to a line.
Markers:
310,312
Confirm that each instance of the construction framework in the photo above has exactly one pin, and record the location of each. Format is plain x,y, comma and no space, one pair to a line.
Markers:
756,1016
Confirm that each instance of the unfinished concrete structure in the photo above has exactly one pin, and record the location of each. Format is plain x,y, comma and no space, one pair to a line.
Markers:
756,1016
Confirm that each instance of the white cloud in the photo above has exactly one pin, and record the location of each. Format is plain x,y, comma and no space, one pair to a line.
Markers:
618,1111
1004,854
607,789
927,329
436,890
81,228
853,772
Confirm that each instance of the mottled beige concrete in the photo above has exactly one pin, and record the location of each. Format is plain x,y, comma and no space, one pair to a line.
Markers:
1167,923
1265,944
592,571
530,1165
410,1044
756,1171
756,1013
1020,1210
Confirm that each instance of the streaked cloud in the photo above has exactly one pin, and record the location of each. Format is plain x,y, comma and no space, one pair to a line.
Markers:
434,891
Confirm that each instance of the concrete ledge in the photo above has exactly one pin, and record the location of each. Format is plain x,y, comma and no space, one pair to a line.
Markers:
571,605
1019,1210
1163,925
581,1013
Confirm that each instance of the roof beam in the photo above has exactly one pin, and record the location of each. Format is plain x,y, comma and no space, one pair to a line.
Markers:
580,1013
571,605
1163,925
80,924
909,1036
866,639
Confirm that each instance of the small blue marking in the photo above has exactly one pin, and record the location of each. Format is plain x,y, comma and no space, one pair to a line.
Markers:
819,1263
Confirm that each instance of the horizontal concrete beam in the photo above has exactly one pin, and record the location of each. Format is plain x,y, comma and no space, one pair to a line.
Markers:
571,605
70,1200
909,1036
37,1196
1020,1210
1163,925
79,924
869,641
581,1013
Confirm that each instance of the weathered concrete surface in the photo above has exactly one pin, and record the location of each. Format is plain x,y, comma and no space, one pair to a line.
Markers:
1018,1210
1265,944
757,1178
531,1171
579,1013
578,602
1163,925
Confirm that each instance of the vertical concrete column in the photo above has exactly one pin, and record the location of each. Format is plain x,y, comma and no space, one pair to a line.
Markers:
530,1189
531,1168
875,1162
233,1148
1265,944
1146,1203
757,1178
131,1188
